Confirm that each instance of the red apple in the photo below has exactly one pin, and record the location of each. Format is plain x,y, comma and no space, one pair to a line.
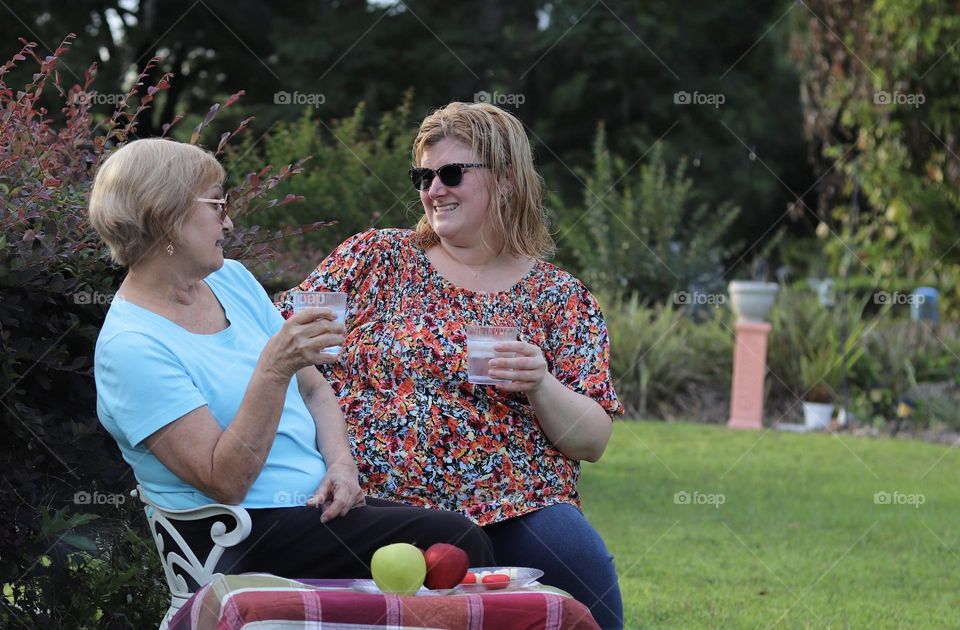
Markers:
446,565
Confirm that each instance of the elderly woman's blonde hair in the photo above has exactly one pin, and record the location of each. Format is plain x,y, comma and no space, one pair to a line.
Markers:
499,141
143,193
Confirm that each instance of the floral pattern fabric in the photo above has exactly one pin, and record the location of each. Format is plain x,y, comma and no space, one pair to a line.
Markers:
421,433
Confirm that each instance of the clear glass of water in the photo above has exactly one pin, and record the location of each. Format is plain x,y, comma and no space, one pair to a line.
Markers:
337,302
480,342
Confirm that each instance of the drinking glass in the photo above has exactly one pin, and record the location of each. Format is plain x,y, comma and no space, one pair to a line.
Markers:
337,302
480,342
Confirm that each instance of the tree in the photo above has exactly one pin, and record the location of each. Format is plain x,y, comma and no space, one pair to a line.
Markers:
883,115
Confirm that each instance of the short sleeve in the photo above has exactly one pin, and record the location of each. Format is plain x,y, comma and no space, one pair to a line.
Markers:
270,319
580,347
141,386
239,283
349,269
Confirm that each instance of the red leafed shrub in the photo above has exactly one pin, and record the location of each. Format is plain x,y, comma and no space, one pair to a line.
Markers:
73,549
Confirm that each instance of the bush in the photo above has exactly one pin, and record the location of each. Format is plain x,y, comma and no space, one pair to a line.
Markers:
356,177
646,232
902,360
68,563
805,350
659,353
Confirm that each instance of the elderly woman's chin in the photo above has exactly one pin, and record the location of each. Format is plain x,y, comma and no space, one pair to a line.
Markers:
219,257
206,260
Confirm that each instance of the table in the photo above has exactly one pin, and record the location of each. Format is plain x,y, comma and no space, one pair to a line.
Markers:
231,601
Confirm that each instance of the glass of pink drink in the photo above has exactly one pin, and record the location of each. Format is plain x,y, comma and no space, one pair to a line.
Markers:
480,342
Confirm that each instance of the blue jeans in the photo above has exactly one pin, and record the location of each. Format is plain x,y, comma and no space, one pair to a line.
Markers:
560,541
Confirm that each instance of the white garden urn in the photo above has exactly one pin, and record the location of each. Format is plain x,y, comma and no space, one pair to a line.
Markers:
752,301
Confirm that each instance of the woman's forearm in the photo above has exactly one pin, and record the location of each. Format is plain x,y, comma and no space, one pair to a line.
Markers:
242,449
332,437
574,423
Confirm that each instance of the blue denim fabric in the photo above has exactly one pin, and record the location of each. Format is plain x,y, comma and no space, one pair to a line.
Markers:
560,541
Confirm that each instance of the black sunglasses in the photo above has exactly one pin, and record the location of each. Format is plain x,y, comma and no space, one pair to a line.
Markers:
450,175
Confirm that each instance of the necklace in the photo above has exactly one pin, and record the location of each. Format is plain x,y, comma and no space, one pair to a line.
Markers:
471,268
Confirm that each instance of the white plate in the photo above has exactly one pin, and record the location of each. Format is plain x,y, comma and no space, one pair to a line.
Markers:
525,577
369,586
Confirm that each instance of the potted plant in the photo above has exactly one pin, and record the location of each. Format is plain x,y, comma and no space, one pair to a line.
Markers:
820,378
822,359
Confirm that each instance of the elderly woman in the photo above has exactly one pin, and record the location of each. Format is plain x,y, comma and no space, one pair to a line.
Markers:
212,397
505,455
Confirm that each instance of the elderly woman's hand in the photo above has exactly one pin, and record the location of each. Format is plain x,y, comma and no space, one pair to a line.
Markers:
525,372
339,492
301,342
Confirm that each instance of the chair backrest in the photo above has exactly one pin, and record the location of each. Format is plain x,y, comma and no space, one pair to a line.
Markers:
180,561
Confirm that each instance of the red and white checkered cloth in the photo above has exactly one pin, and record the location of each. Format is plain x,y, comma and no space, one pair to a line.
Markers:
266,601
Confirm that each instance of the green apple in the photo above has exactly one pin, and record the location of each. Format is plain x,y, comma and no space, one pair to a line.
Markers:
398,568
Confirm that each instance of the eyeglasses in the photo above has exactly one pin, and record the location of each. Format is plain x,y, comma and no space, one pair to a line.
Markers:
450,175
223,203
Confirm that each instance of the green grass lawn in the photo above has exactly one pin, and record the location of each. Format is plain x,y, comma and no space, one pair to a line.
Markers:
798,542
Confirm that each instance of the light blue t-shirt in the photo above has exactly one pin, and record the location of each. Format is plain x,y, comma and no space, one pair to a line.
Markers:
150,372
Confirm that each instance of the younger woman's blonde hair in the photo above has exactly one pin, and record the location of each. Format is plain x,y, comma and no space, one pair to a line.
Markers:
144,191
516,202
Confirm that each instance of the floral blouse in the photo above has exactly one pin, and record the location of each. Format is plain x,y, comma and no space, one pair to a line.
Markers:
420,432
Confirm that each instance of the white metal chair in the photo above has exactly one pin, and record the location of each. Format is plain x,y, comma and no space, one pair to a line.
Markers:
181,560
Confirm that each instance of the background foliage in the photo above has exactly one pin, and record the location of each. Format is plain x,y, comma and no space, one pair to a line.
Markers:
645,231
545,51
882,115
356,176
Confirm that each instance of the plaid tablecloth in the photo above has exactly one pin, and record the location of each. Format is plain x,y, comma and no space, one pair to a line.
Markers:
266,601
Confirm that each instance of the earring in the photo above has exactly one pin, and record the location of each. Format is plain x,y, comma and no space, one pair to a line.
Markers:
169,249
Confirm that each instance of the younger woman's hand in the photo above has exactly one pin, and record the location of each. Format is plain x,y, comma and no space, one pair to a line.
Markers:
525,372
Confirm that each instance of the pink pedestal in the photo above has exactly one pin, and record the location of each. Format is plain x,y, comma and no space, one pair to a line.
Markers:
749,371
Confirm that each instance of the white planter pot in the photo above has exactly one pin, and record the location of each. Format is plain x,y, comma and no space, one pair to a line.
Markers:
817,415
752,301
